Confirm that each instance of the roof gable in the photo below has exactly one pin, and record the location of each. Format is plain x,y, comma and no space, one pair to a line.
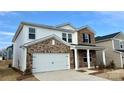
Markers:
106,37
120,36
86,27
67,26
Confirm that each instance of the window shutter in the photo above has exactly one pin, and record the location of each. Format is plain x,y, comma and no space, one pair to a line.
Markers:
116,44
89,38
83,37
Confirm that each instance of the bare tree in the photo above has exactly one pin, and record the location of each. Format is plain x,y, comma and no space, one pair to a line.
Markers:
3,52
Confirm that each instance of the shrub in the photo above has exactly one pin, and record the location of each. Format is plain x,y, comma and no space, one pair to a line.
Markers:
111,65
95,64
122,78
101,66
10,65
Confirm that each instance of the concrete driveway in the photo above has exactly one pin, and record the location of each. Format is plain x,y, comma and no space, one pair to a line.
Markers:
67,75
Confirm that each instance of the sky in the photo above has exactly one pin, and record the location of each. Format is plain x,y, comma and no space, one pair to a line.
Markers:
101,22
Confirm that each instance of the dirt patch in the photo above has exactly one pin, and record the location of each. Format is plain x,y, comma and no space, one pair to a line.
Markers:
115,75
30,79
100,71
9,74
26,77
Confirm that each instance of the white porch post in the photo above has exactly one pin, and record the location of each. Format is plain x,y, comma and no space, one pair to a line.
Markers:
76,59
103,55
88,58
121,60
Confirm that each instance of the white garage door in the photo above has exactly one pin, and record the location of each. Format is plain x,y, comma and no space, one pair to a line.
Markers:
50,62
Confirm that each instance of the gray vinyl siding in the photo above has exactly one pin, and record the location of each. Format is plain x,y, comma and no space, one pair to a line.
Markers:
109,53
116,44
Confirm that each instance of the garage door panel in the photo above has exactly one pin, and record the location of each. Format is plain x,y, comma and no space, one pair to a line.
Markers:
50,62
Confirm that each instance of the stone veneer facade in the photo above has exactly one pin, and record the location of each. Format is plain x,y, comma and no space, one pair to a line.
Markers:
47,47
80,36
81,56
59,47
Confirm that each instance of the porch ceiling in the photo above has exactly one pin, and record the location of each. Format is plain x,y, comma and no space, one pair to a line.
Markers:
87,47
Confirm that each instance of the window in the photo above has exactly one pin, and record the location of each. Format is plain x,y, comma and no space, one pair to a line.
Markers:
86,38
31,33
64,37
53,42
69,38
85,57
121,44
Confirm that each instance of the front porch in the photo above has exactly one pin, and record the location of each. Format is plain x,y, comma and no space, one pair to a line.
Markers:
85,56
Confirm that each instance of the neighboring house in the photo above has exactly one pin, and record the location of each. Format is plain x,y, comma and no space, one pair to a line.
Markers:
40,48
114,44
9,51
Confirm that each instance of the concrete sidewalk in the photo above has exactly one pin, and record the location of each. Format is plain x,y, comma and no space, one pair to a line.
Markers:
67,75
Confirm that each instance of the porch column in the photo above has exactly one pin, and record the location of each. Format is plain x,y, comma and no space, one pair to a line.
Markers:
103,55
76,59
88,58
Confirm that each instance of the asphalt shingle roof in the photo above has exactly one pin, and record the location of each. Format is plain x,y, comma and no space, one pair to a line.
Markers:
106,36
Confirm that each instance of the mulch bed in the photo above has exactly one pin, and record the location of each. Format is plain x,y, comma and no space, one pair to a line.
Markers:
81,71
101,71
24,77
17,70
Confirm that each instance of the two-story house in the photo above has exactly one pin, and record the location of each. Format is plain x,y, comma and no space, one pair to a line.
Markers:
40,48
114,47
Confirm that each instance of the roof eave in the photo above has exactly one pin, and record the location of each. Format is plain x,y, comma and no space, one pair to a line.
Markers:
36,25
17,32
103,40
117,35
108,38
65,24
43,39
86,27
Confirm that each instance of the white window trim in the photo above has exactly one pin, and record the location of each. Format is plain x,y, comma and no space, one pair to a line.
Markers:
53,42
67,37
121,59
120,40
31,33
70,38
121,43
113,44
87,38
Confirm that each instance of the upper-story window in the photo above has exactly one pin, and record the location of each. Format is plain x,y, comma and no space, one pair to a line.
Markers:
86,38
69,38
121,44
31,33
64,37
